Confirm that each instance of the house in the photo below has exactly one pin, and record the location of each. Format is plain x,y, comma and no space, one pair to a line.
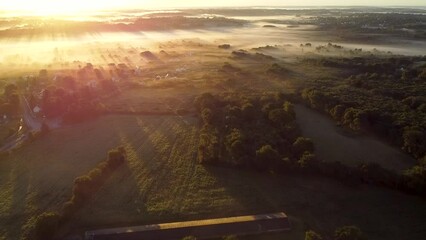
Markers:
36,109
92,84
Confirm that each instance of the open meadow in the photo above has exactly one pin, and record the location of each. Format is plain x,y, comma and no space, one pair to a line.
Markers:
162,181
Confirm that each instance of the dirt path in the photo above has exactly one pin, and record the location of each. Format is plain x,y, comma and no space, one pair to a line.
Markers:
332,145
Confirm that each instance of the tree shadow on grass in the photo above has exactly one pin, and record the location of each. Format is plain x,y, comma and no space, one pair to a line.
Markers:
325,204
110,205
251,189
18,215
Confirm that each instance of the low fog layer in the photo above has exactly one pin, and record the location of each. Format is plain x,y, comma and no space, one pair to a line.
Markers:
28,41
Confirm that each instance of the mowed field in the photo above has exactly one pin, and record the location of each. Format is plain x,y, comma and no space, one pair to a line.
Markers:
162,182
332,145
40,176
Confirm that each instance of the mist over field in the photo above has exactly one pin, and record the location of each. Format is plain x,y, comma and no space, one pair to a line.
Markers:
43,40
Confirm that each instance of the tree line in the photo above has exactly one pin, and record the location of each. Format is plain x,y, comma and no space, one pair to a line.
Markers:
9,101
261,133
85,187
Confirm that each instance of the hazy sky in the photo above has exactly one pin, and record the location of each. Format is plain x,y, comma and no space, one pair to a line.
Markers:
283,2
79,5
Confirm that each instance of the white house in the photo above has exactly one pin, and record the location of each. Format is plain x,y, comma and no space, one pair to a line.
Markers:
37,109
92,84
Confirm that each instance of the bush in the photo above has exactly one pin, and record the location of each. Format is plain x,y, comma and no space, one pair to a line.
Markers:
302,145
308,160
266,156
311,235
189,238
46,225
337,112
224,46
116,157
348,233
85,186
415,141
230,237
277,69
68,209
414,179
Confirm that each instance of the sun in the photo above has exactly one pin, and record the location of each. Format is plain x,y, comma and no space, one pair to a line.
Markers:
58,7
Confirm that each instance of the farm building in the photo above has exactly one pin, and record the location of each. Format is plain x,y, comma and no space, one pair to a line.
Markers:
201,229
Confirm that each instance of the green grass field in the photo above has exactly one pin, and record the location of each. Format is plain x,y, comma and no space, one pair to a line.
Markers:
331,143
162,182
7,128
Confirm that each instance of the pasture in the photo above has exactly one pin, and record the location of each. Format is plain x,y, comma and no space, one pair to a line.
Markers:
162,182
332,144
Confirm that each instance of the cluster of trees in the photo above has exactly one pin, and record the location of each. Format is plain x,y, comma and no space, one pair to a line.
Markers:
388,99
276,69
406,129
306,45
328,47
71,99
230,237
229,68
84,188
9,102
224,46
412,181
73,106
389,23
342,233
261,133
251,132
46,225
243,54
368,67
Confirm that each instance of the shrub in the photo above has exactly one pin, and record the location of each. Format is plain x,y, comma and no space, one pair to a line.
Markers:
230,237
68,209
348,233
189,238
224,46
277,69
266,156
415,141
311,235
116,157
302,145
414,179
308,160
337,112
46,225
85,186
